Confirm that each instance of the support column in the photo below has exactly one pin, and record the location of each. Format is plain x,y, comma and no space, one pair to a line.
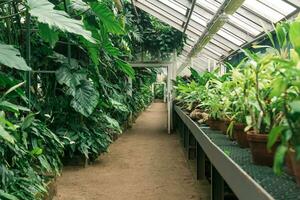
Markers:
217,185
200,162
169,98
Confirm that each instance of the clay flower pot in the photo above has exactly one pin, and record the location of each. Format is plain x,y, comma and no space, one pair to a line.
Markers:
258,145
295,165
240,135
225,125
215,124
289,165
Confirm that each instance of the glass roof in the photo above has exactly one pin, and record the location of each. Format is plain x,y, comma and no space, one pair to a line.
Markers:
194,17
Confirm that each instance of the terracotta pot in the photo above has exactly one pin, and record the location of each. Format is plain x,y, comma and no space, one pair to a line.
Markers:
258,145
240,135
216,124
224,126
295,165
289,165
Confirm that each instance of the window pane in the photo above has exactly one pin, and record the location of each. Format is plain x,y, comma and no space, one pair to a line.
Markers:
230,37
174,5
263,10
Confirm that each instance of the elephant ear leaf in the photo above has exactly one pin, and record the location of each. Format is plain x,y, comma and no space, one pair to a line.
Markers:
6,136
86,98
11,57
107,17
45,13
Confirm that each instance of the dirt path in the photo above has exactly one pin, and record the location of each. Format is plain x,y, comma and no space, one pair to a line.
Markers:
144,164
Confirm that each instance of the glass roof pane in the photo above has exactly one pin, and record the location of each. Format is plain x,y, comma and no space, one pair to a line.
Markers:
174,5
243,25
230,37
209,4
212,51
200,19
263,10
279,5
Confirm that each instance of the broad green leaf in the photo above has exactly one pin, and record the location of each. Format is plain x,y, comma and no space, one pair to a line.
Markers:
69,77
281,34
279,159
117,105
107,17
274,135
79,5
5,105
295,106
36,151
86,98
279,87
295,36
27,121
126,68
113,123
48,35
44,11
5,196
93,50
12,58
6,136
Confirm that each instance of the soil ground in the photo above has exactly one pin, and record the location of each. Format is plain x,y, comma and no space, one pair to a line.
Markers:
145,163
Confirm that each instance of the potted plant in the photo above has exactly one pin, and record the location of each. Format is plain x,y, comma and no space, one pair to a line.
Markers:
264,113
235,110
288,89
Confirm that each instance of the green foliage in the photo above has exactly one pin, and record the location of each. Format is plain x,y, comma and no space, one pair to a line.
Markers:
263,91
75,99
45,13
11,57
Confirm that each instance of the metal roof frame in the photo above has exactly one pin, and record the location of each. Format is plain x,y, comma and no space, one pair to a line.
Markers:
235,29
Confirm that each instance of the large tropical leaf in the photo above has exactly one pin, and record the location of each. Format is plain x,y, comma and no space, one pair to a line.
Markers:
125,67
48,35
107,17
79,5
6,136
11,57
86,98
44,11
69,77
5,105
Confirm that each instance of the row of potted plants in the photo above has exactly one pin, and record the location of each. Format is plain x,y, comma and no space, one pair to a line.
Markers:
256,102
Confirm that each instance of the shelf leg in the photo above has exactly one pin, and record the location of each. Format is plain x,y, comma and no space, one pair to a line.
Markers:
200,162
191,153
217,185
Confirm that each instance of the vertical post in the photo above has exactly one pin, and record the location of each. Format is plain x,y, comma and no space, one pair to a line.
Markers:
169,97
129,92
28,57
217,185
200,162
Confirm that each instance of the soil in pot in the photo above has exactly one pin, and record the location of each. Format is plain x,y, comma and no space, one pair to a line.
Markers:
295,165
258,145
240,135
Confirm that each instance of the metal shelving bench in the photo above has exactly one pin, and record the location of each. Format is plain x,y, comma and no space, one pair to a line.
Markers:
247,181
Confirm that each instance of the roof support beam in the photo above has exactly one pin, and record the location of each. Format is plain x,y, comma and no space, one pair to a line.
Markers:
190,12
220,18
161,16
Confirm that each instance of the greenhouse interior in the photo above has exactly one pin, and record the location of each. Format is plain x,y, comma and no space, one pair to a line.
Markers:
149,99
